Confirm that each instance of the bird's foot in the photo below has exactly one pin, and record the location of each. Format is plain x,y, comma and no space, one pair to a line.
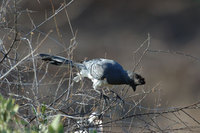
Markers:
106,98
117,97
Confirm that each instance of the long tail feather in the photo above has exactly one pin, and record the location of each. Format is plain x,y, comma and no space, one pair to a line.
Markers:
56,60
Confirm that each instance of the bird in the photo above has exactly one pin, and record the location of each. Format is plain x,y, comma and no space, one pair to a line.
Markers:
102,72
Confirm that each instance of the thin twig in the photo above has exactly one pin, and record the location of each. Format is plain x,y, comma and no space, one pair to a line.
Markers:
144,52
5,74
49,18
175,53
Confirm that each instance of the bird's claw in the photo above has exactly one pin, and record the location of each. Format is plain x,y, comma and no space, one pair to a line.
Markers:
117,97
106,98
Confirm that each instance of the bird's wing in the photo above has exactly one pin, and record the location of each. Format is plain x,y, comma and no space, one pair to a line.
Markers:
95,68
107,69
97,71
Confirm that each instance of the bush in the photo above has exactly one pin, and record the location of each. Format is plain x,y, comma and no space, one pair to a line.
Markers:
11,123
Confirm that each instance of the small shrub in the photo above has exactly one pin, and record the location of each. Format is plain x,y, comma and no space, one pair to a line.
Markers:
10,123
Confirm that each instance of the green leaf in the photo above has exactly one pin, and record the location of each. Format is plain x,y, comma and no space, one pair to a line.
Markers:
43,109
56,122
16,107
5,116
50,129
60,129
56,126
9,104
34,111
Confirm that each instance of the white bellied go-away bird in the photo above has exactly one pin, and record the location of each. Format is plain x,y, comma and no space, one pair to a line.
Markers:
100,71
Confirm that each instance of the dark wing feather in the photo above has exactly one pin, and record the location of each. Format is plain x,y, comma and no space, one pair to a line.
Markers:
58,60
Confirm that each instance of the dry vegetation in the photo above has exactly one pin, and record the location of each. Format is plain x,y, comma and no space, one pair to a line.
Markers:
43,91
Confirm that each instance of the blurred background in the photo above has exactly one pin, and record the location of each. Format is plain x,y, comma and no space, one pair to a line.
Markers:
115,29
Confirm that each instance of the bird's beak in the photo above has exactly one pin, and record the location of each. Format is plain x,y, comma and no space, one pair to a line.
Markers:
142,81
134,87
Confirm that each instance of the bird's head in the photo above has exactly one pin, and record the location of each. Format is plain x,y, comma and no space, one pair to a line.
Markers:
135,80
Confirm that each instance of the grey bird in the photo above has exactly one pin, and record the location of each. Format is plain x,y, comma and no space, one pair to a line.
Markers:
100,71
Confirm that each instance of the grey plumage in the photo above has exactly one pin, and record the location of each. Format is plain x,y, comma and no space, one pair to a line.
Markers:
100,71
